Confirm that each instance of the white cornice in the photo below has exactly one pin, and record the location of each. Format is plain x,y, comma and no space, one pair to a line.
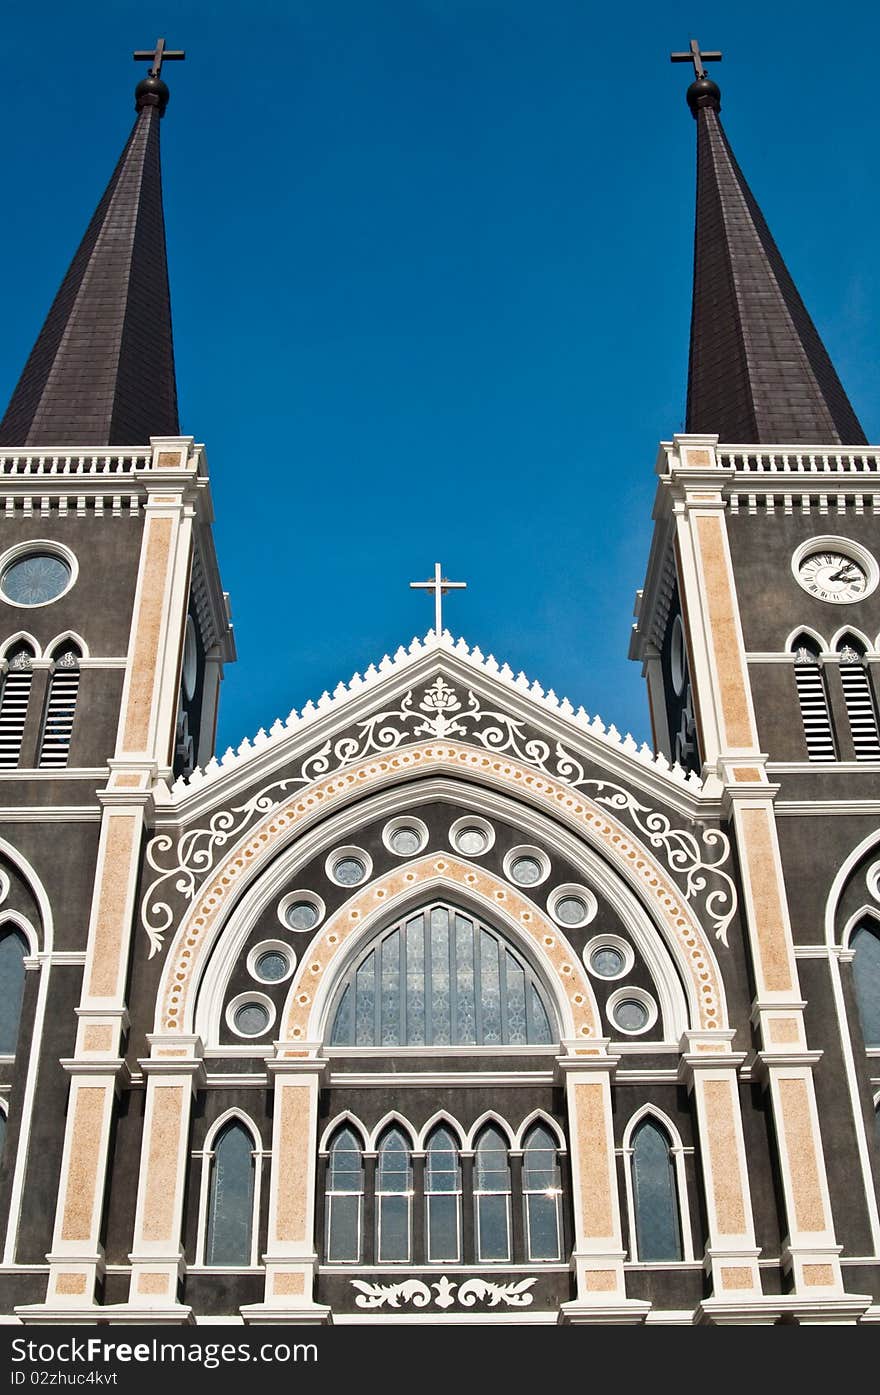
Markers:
363,693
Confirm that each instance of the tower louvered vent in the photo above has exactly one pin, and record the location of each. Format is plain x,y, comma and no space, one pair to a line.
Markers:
14,704
859,698
60,710
813,698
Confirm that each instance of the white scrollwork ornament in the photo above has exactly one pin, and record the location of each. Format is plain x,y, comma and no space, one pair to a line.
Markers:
512,1295
696,855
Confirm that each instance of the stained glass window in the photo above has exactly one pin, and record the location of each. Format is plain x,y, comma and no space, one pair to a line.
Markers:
655,1195
492,1196
866,976
541,1192
393,1197
231,1202
35,579
441,978
443,1196
345,1187
12,952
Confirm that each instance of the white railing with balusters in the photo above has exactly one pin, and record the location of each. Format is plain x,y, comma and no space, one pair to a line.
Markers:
116,460
799,460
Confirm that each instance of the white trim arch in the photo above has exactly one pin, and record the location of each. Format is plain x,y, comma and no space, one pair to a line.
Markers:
10,917
441,1119
207,1153
393,1119
788,647
667,960
489,1116
74,638
344,1120
678,1150
16,639
856,634
854,923
539,1116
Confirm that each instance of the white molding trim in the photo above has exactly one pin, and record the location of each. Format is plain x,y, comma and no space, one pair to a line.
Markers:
345,1119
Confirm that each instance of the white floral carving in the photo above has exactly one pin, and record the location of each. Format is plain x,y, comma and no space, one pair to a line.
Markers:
514,1294
696,855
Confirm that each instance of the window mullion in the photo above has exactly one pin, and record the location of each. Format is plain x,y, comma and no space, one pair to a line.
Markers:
519,1251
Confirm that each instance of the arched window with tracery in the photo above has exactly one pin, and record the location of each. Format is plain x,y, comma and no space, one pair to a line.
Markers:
492,1195
393,1198
60,706
13,949
865,943
813,698
345,1194
14,702
231,1198
443,1197
861,708
655,1194
441,977
541,1193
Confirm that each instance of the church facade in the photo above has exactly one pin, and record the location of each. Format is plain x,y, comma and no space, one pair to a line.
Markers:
439,1002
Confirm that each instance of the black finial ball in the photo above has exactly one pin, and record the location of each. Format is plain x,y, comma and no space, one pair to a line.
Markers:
151,92
704,93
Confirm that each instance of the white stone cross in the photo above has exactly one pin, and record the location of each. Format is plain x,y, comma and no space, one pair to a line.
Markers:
439,585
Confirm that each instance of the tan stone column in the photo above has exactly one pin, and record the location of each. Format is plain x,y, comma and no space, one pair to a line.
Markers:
710,1068
598,1255
290,1259
174,1071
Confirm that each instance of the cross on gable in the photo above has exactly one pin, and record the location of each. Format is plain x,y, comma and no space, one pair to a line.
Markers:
695,56
157,56
439,585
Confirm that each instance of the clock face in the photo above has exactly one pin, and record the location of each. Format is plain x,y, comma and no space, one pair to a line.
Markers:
832,576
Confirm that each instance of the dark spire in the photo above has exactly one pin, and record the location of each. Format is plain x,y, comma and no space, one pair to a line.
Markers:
102,370
758,370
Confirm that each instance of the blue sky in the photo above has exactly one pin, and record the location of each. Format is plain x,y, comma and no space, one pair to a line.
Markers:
430,270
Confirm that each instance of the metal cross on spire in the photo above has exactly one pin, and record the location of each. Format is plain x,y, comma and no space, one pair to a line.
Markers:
439,585
694,56
157,56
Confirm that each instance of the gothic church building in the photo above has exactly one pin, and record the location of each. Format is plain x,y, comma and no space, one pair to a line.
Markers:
439,1002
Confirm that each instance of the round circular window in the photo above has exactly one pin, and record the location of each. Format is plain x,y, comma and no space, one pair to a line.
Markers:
632,1011
572,906
527,866
36,574
301,910
471,836
349,866
271,962
609,956
677,661
250,1014
190,659
405,836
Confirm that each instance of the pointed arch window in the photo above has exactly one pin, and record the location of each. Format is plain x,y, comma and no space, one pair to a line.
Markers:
231,1198
861,708
866,977
345,1193
443,1197
441,978
813,698
393,1199
541,1193
12,955
60,707
655,1195
492,1196
14,703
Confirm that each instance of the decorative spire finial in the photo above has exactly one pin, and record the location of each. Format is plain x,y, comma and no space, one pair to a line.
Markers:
703,92
152,91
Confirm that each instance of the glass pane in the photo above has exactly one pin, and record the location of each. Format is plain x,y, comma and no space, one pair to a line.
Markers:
394,1163
490,989
12,971
492,1173
465,1007
301,915
365,1019
348,871
441,1170
251,1019
345,1173
272,966
415,982
492,1229
607,962
571,910
866,973
36,579
232,1198
631,1015
2,1133
442,1227
440,994
343,1227
526,871
516,1001
393,1228
391,990
405,841
471,841
539,1162
542,1218
655,1196
539,1022
343,1024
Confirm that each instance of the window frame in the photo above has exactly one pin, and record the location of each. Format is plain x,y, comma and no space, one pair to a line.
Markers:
678,1153
207,1154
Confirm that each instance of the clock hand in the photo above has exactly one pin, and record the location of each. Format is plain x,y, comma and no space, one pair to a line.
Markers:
843,574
